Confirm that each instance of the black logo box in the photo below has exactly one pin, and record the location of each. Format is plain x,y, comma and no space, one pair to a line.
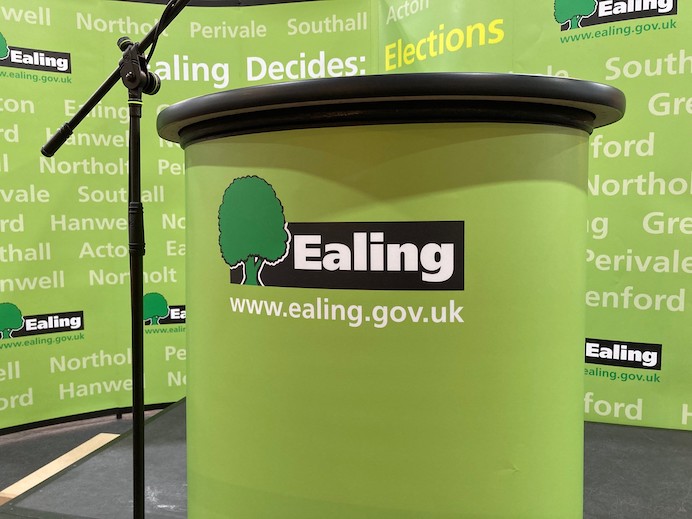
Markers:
7,62
56,317
168,319
594,19
417,233
631,346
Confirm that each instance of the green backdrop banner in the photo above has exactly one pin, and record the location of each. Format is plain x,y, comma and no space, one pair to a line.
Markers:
64,296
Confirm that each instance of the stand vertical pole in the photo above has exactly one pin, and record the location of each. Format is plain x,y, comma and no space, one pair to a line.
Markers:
132,70
137,248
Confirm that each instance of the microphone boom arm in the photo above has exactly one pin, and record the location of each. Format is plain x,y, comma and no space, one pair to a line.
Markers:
65,131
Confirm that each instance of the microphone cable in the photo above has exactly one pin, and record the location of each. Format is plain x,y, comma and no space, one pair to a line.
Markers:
163,21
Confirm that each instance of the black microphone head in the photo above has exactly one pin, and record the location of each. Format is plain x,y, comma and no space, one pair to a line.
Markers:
153,84
124,42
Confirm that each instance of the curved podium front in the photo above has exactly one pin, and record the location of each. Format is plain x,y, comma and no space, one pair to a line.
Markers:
385,282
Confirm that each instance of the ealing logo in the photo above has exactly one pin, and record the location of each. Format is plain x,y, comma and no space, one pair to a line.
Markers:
4,49
573,14
14,324
624,354
34,59
157,311
253,234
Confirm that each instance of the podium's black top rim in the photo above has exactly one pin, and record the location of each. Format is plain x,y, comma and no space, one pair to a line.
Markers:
394,99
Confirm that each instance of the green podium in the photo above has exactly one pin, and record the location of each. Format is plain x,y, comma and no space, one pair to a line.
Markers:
385,283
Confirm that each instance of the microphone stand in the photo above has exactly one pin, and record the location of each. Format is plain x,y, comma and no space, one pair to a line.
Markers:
132,71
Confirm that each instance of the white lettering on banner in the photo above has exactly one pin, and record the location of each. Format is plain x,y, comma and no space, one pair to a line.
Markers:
12,224
173,353
223,30
630,262
89,195
73,390
614,409
613,149
176,379
100,111
686,413
14,106
10,134
4,163
174,248
174,168
16,401
32,195
556,72
435,260
641,185
40,16
103,251
53,322
657,223
615,7
89,166
100,359
11,371
11,254
65,224
55,279
102,277
94,139
622,352
628,300
664,104
408,8
330,24
304,68
379,316
37,58
178,314
598,227
671,65
172,221
118,26
163,143
182,70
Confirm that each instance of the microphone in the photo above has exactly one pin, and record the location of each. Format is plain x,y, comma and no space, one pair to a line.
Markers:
124,42
153,84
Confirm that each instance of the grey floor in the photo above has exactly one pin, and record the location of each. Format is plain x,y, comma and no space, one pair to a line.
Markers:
630,472
99,487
